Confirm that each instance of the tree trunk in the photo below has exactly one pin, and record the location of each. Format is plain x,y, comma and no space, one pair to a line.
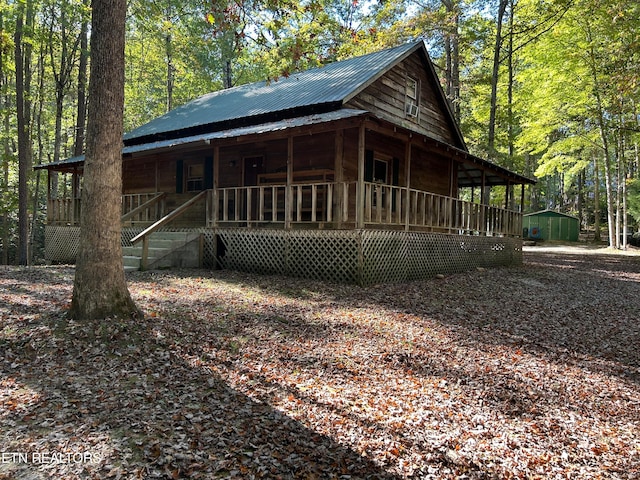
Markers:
511,134
580,200
494,80
100,289
5,178
40,136
81,115
608,178
621,204
452,47
228,83
596,196
4,82
23,109
170,71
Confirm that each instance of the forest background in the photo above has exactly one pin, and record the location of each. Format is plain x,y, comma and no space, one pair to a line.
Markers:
547,88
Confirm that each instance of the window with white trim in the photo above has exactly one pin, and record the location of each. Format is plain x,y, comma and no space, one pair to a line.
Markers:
412,101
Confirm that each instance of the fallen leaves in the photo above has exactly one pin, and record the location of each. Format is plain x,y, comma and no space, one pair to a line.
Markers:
528,372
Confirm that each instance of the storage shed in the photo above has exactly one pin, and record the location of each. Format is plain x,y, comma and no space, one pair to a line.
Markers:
550,225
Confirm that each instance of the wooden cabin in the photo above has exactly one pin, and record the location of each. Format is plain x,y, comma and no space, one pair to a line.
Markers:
350,172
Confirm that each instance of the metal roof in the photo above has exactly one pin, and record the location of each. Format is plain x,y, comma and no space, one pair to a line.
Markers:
304,98
268,127
329,87
548,211
474,171
250,130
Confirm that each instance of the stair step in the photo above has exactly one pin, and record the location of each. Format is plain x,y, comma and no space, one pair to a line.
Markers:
173,236
161,245
131,261
137,251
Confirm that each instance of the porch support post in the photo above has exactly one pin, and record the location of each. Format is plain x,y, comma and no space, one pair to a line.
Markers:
507,195
522,199
339,178
288,190
360,186
407,180
482,189
216,172
74,195
50,206
453,177
484,210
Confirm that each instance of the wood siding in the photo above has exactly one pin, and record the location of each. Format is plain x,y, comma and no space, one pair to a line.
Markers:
430,172
386,98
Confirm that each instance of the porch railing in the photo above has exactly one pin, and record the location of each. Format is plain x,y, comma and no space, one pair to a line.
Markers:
334,204
417,209
325,205
138,208
278,204
63,211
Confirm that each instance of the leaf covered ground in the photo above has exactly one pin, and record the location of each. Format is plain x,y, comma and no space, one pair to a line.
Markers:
527,372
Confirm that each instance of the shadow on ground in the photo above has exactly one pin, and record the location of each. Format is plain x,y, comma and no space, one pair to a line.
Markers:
113,391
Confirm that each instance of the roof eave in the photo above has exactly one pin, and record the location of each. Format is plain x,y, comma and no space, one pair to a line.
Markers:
235,123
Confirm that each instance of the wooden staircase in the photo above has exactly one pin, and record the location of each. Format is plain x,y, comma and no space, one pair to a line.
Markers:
166,250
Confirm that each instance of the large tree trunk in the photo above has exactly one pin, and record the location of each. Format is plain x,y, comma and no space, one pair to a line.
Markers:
170,71
23,109
100,289
5,179
608,177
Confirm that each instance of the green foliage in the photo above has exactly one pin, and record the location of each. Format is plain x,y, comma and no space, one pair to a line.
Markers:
633,202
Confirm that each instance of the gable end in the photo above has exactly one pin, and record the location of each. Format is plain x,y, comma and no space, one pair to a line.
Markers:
388,98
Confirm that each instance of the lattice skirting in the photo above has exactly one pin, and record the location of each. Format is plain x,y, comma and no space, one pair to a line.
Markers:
61,243
362,257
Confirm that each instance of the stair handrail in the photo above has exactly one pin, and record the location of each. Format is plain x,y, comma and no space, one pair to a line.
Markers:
144,206
144,235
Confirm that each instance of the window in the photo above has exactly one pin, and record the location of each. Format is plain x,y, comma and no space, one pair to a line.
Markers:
412,102
195,177
380,171
381,176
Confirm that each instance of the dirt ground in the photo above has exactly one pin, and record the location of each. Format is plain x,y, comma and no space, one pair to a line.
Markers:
530,372
580,249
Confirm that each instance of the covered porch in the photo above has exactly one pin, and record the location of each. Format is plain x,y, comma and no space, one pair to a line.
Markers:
344,170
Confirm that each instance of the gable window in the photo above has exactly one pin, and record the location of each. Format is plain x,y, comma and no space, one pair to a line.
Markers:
412,101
